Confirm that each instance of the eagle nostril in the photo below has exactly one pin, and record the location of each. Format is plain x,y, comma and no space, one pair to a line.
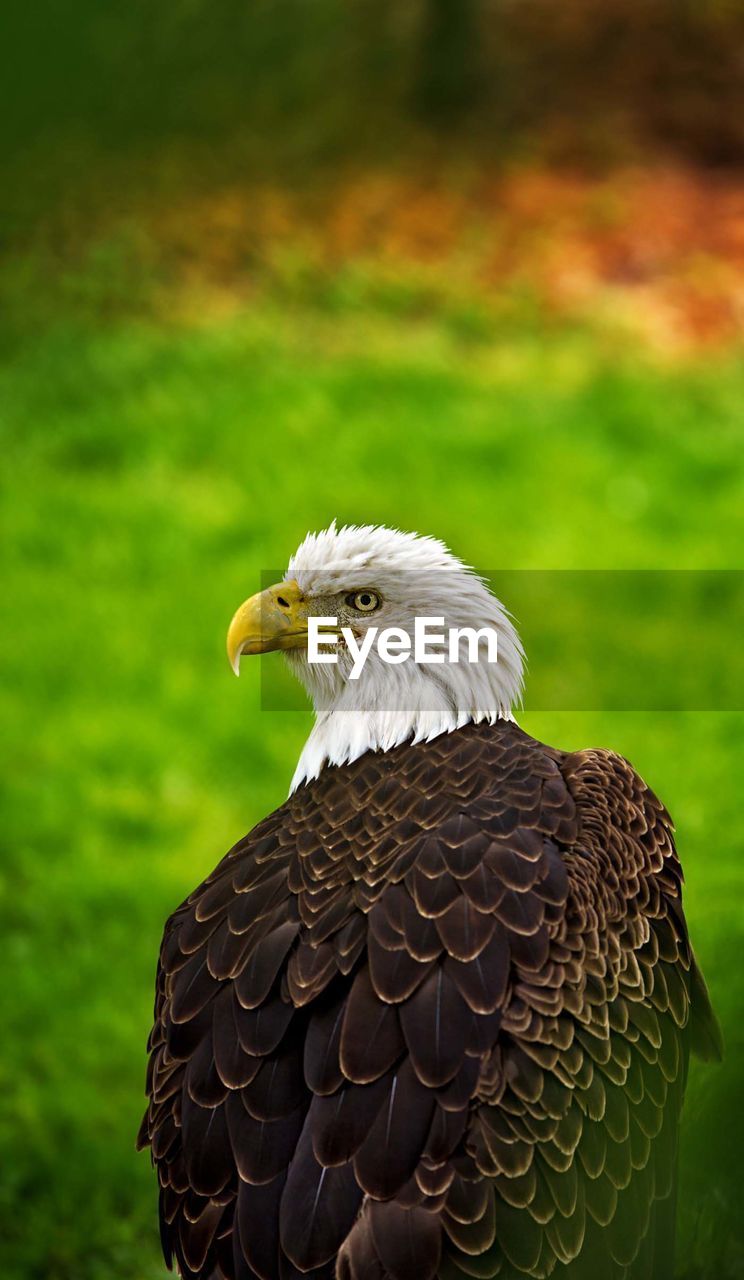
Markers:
284,603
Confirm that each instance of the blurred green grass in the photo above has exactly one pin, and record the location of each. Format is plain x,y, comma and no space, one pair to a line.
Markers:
152,469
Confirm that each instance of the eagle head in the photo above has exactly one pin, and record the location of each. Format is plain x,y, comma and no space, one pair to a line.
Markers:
380,592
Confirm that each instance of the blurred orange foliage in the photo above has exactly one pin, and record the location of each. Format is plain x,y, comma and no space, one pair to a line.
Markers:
660,250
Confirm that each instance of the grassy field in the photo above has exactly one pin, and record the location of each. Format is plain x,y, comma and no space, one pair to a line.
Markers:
153,467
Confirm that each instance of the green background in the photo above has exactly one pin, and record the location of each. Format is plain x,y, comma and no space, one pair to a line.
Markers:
149,476
161,447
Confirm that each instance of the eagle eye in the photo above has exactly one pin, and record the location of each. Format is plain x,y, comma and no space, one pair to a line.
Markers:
364,601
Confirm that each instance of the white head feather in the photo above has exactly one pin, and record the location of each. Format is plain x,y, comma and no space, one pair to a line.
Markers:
391,704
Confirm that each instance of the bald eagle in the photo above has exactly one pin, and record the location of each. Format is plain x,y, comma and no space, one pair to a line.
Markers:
432,1017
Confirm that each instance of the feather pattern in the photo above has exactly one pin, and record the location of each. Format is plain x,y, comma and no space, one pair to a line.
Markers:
432,1017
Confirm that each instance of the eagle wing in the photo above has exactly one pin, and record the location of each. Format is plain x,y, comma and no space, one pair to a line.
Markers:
431,1017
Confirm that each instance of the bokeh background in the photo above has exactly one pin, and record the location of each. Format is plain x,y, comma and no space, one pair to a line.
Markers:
472,267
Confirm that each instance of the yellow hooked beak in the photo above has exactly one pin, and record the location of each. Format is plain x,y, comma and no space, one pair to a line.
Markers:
272,619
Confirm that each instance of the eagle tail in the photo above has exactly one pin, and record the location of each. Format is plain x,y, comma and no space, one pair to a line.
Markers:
706,1038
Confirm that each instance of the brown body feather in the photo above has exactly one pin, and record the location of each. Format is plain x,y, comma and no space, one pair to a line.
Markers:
431,1018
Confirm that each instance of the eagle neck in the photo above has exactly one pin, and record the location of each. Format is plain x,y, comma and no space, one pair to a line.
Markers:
339,737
